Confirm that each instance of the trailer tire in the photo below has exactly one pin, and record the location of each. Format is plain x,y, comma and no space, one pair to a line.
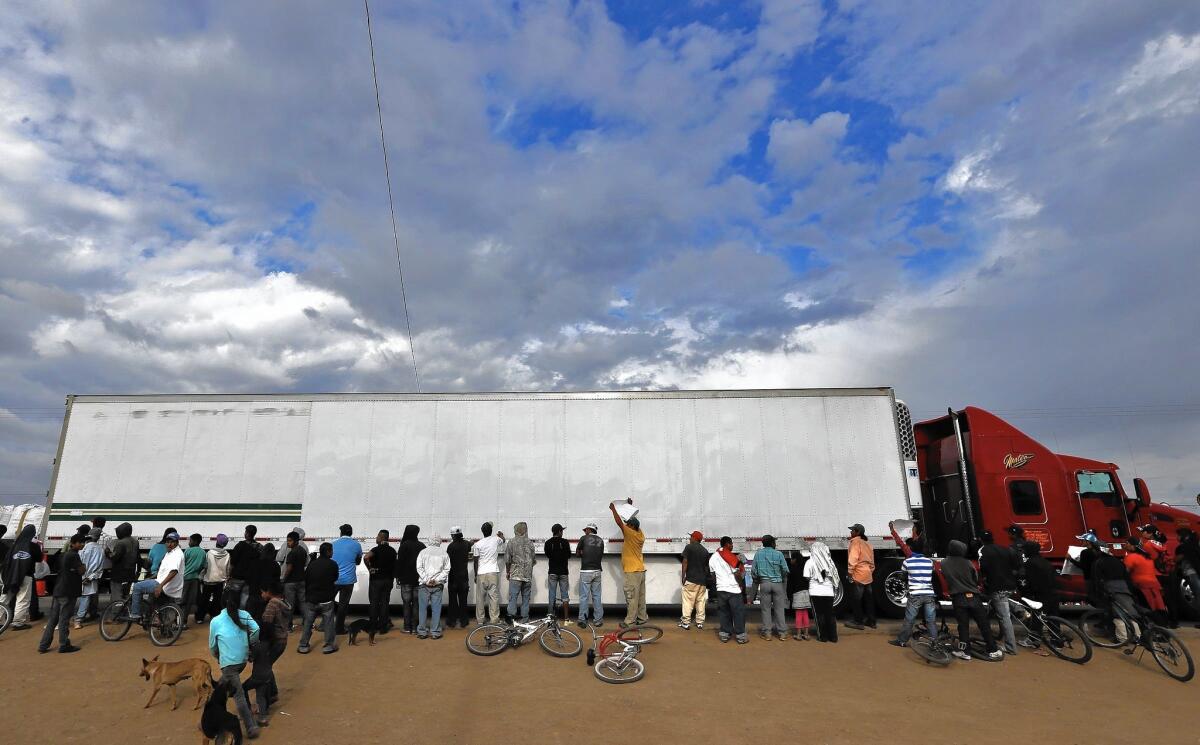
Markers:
885,599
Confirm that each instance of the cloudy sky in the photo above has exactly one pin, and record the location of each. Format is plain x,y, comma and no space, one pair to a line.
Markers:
988,204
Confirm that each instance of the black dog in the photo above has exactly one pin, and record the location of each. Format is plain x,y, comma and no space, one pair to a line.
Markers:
359,626
216,720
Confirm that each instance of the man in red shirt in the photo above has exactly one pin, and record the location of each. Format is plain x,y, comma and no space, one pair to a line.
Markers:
1144,579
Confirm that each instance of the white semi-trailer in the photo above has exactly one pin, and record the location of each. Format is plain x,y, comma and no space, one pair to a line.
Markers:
801,465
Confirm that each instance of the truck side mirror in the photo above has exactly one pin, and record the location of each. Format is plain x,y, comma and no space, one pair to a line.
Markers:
1141,492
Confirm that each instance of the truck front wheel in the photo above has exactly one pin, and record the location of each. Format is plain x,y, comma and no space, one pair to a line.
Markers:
891,589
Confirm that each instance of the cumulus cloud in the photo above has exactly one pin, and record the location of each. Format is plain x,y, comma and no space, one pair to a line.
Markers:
970,207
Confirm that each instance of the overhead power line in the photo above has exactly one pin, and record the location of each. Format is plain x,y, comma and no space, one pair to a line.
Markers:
391,200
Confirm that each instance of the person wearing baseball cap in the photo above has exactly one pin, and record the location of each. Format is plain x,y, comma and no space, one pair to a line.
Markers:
558,552
169,580
695,581
590,551
459,581
861,571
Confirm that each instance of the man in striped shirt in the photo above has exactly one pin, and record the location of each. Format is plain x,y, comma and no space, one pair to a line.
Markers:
921,596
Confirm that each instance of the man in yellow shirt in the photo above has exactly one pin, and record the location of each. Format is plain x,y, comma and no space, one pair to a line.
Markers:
633,566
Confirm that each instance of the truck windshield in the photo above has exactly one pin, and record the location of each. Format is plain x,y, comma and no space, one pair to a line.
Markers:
1098,485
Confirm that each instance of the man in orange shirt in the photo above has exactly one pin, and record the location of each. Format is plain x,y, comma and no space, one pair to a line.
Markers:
861,568
634,567
1144,579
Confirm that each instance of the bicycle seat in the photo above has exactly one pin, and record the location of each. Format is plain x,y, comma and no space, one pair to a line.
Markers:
1035,604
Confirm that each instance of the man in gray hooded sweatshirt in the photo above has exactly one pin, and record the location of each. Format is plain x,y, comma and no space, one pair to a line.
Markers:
519,559
123,553
963,584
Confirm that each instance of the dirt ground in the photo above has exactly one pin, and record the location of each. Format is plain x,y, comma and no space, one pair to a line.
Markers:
695,690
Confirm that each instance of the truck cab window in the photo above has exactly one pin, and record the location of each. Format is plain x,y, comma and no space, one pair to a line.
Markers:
1026,497
1098,485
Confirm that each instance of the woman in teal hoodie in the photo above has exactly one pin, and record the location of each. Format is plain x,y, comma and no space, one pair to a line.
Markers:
230,635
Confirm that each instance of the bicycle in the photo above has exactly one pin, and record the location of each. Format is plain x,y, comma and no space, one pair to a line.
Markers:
5,616
554,639
163,621
613,656
1034,629
933,652
1101,626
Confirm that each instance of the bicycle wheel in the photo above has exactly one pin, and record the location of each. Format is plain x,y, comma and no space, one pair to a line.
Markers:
1100,629
560,642
641,634
166,625
1066,641
487,640
1171,654
114,622
611,670
931,651
5,618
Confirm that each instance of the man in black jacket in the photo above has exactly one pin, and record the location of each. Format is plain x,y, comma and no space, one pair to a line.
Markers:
459,583
381,566
320,581
962,583
406,575
998,564
243,561
558,551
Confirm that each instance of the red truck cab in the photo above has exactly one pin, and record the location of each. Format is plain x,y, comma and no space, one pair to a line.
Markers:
1013,479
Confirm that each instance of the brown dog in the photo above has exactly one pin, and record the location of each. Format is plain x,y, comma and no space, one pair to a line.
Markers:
172,673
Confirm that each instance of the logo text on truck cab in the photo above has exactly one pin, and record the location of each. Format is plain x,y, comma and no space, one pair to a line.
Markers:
1017,461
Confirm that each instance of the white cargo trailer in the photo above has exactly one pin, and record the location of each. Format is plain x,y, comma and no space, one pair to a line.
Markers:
801,465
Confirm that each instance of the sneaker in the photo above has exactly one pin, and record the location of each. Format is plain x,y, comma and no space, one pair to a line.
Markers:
797,637
303,650
581,623
684,625
19,627
765,636
854,625
422,636
329,650
782,636
960,654
700,625
435,636
897,643
995,655
623,625
1010,652
743,639
1028,643
68,649
76,624
723,637
43,651
597,624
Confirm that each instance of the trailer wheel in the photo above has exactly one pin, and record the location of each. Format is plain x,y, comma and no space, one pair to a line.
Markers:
891,590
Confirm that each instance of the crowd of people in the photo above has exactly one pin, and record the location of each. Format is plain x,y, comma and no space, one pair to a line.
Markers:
251,595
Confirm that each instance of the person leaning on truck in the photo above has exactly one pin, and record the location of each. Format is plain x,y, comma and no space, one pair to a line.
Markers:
728,569
695,581
214,577
998,565
292,575
433,568
486,552
558,579
347,554
242,561
381,568
459,581
634,567
591,553
519,558
320,586
962,582
406,574
921,597
861,569
771,569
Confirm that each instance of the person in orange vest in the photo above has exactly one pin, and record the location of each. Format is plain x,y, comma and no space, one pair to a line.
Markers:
1154,543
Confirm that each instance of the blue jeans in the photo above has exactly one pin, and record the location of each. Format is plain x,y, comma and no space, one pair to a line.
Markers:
915,604
559,585
518,590
589,591
141,588
328,613
429,597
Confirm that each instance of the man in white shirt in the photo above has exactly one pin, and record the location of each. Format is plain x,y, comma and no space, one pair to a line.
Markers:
433,567
486,552
169,581
727,567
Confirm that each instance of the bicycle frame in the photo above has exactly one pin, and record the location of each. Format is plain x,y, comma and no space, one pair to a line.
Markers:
533,627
